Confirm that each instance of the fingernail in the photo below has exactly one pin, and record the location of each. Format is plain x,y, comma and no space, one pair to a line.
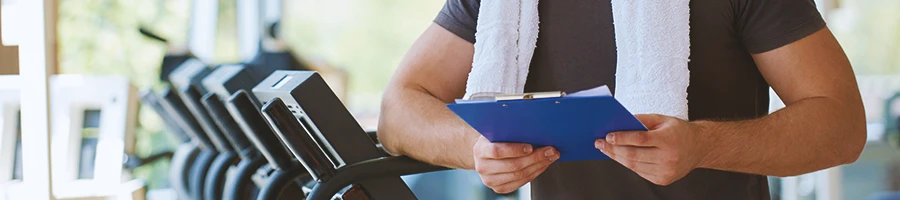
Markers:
551,154
527,149
600,144
611,138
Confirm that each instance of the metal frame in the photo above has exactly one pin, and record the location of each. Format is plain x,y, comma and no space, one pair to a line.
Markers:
187,80
117,100
9,10
249,28
222,83
37,61
204,21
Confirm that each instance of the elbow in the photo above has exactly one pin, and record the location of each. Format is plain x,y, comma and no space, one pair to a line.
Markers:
386,132
386,138
854,144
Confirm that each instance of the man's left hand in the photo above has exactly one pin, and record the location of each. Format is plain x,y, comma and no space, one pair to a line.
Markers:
666,153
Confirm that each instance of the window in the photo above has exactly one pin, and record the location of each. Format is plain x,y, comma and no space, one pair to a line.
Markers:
17,161
367,39
90,134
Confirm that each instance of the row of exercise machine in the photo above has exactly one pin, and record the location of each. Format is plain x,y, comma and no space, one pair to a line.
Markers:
286,136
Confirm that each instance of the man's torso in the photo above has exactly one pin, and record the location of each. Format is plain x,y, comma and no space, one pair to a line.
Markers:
576,51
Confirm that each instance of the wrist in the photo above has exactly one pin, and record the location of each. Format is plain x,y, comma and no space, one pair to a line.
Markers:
710,142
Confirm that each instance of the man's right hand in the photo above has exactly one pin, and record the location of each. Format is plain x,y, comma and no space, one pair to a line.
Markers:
504,167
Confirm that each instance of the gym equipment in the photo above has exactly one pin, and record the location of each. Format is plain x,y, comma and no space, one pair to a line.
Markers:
225,81
187,78
222,82
245,110
206,154
10,138
319,131
169,108
187,154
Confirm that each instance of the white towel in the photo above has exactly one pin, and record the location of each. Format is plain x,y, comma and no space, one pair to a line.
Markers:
652,41
506,36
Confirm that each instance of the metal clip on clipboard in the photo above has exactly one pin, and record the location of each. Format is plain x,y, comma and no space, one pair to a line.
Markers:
492,97
530,96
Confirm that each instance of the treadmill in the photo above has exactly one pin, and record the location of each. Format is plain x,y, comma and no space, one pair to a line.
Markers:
224,82
319,131
187,81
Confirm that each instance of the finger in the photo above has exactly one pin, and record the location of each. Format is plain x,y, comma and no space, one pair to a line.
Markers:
498,166
502,150
631,138
514,185
651,121
627,153
508,182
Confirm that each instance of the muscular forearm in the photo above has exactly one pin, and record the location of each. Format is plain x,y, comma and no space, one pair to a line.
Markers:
809,135
416,124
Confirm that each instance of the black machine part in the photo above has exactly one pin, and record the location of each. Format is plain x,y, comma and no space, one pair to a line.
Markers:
298,140
385,167
330,124
150,98
229,127
214,185
180,169
172,103
246,113
199,168
187,79
192,95
133,161
241,186
283,184
220,84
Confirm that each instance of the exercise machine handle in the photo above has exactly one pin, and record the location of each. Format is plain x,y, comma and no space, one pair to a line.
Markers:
172,102
384,167
298,140
229,127
258,131
151,99
192,96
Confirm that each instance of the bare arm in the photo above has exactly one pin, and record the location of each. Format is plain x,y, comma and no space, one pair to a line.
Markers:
416,122
823,124
414,119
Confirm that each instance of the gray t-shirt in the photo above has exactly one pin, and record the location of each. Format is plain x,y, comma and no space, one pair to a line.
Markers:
576,50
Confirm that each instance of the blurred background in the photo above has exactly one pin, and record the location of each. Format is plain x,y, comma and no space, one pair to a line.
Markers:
366,39
363,41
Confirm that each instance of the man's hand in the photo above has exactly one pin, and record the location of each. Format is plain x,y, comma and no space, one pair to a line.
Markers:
504,167
663,155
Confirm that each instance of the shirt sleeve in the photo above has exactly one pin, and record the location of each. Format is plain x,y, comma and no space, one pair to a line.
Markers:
764,25
460,17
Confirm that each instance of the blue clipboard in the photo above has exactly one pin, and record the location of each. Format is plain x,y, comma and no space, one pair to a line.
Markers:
570,124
